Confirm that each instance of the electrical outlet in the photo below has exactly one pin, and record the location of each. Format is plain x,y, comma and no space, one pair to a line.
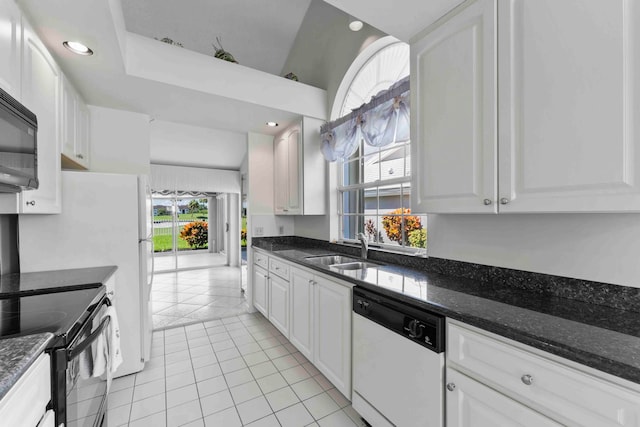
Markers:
258,231
281,229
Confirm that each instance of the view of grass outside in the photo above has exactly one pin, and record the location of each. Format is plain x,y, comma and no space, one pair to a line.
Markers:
190,211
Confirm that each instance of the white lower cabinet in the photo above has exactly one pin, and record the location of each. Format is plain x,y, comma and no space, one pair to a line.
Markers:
260,290
494,381
314,312
26,402
472,404
332,332
279,304
271,290
301,330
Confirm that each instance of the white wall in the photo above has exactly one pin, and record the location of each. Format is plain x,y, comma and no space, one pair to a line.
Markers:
119,141
599,247
321,55
185,145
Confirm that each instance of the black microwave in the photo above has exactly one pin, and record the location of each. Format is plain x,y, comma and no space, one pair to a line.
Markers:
18,146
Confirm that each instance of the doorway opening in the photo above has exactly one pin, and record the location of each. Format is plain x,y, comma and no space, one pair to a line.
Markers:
198,278
181,232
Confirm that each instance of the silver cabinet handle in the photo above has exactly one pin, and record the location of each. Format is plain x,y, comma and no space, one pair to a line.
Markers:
451,386
80,156
31,203
504,201
527,379
487,202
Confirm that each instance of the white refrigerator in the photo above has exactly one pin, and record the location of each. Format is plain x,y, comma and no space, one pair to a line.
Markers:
106,219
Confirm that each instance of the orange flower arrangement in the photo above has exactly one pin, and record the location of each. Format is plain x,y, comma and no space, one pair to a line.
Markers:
196,234
395,228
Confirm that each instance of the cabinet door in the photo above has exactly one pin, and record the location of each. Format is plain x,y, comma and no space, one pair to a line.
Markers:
83,132
10,44
301,329
294,166
569,103
332,333
281,186
260,290
279,304
472,404
453,114
40,92
69,118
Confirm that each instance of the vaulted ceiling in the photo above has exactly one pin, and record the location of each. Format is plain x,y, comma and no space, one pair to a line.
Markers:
259,34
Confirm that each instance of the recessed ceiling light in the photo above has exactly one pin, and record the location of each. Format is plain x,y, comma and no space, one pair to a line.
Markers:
272,124
78,48
355,24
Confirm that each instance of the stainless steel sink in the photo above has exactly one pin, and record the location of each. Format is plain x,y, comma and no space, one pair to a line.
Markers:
331,260
359,265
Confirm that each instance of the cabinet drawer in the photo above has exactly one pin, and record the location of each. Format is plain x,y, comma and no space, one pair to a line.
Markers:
279,268
261,259
568,395
27,400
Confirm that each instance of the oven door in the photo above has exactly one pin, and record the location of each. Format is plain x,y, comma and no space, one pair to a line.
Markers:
86,392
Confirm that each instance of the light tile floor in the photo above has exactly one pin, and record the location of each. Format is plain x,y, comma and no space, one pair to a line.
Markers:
236,371
185,297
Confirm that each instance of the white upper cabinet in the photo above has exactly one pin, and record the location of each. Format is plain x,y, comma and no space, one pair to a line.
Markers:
10,44
287,165
75,128
566,109
41,94
453,118
569,105
299,170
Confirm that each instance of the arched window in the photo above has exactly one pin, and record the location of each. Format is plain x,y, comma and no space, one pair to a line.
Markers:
374,184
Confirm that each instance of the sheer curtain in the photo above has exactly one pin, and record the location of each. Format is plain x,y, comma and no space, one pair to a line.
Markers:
380,122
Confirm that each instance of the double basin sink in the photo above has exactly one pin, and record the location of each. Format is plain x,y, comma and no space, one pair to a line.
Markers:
341,262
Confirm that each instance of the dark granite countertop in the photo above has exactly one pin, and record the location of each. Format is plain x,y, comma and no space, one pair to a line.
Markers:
603,337
17,355
54,281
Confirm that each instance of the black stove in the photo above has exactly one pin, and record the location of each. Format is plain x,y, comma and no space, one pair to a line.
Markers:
61,313
45,282
71,310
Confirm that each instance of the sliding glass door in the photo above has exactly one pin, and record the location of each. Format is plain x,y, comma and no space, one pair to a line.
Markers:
181,232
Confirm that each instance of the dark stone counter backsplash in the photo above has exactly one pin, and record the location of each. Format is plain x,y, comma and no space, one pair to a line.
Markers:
604,294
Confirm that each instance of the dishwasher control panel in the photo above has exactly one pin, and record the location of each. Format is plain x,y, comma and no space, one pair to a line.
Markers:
421,332
416,324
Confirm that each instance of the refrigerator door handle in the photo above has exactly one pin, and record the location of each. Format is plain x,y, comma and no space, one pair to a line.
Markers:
153,266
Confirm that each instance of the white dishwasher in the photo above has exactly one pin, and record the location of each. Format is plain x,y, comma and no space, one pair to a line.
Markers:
398,362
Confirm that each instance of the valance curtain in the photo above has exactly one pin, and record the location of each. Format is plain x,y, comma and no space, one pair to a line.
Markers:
380,122
172,179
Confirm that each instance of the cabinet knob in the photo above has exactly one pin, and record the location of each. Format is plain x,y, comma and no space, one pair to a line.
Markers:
31,203
504,201
80,156
527,379
451,386
487,202
110,294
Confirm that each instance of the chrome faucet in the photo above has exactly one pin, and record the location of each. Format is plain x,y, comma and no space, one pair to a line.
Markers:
365,245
